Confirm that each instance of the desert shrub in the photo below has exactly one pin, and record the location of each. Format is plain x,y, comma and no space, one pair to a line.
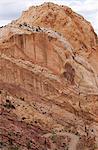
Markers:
9,105
29,145
53,137
22,98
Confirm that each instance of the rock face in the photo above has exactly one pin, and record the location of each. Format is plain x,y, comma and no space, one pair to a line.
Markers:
49,81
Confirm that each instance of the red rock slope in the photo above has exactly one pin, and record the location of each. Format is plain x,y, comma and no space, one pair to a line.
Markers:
48,81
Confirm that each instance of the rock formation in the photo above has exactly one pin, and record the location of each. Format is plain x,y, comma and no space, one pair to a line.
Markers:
48,81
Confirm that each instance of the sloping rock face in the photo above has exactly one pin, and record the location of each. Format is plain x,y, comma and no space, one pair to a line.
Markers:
48,81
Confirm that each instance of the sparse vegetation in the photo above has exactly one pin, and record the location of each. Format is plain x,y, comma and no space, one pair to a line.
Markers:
49,90
22,98
25,24
29,145
9,105
10,141
50,38
53,137
20,25
23,118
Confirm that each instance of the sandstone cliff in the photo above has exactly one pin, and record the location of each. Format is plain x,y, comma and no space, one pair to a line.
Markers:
49,81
